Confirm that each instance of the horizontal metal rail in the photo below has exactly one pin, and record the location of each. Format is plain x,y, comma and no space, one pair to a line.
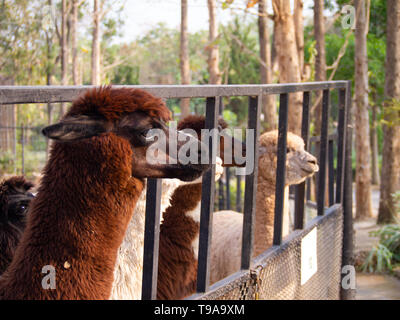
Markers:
45,94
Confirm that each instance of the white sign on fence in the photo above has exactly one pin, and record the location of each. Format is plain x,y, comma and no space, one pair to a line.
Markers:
309,265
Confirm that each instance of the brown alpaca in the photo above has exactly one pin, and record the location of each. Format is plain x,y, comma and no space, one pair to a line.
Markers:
179,232
14,200
90,184
227,225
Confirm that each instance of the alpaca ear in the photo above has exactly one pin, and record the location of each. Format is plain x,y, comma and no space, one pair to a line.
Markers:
75,128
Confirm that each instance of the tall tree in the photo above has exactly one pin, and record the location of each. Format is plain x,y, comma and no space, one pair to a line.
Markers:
213,54
74,40
269,106
64,42
7,124
320,58
288,59
390,176
97,13
363,151
64,47
299,29
184,57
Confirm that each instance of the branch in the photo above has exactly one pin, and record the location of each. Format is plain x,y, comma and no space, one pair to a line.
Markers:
246,10
334,66
242,45
116,63
367,13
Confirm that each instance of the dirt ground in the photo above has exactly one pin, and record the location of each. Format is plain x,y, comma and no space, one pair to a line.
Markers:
373,286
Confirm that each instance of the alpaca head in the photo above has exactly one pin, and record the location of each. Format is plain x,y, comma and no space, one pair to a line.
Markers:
132,115
230,148
14,200
299,163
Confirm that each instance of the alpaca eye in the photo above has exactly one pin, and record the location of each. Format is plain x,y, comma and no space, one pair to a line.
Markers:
149,135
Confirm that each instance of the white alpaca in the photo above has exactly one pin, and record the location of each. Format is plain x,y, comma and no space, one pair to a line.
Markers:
226,241
128,270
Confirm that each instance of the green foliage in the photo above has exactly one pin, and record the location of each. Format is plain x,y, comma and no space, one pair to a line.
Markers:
239,40
386,255
391,113
126,74
6,161
377,23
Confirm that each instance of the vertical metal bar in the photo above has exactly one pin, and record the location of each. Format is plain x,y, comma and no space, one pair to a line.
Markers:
151,239
207,199
331,172
221,197
323,152
342,122
228,189
281,168
250,191
347,251
300,189
238,193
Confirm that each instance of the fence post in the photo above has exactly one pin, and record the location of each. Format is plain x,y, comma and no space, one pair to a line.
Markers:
347,248
250,191
300,189
323,150
151,239
281,168
207,200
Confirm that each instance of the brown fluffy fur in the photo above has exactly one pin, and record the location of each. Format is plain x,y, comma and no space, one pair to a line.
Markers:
79,217
112,103
177,268
12,223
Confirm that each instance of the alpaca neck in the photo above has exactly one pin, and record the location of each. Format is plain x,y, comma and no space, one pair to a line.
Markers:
76,223
265,214
128,269
179,236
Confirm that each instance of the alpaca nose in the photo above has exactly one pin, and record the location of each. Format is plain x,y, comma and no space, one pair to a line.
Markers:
312,161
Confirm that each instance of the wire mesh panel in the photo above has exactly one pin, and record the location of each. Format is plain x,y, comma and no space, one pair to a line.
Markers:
277,273
281,273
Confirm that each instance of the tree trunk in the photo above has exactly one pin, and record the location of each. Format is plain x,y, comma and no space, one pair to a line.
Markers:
7,124
299,29
391,134
289,69
64,48
363,152
268,107
184,57
320,58
374,148
213,55
96,44
74,48
49,72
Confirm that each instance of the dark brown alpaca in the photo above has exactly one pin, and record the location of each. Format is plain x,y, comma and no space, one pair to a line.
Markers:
90,184
179,232
14,200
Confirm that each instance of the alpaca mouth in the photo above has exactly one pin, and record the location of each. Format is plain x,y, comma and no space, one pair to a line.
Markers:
188,172
311,170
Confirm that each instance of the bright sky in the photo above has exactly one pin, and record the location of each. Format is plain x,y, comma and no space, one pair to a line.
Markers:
141,15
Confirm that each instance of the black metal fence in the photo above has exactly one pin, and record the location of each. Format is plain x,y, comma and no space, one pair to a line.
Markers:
339,187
